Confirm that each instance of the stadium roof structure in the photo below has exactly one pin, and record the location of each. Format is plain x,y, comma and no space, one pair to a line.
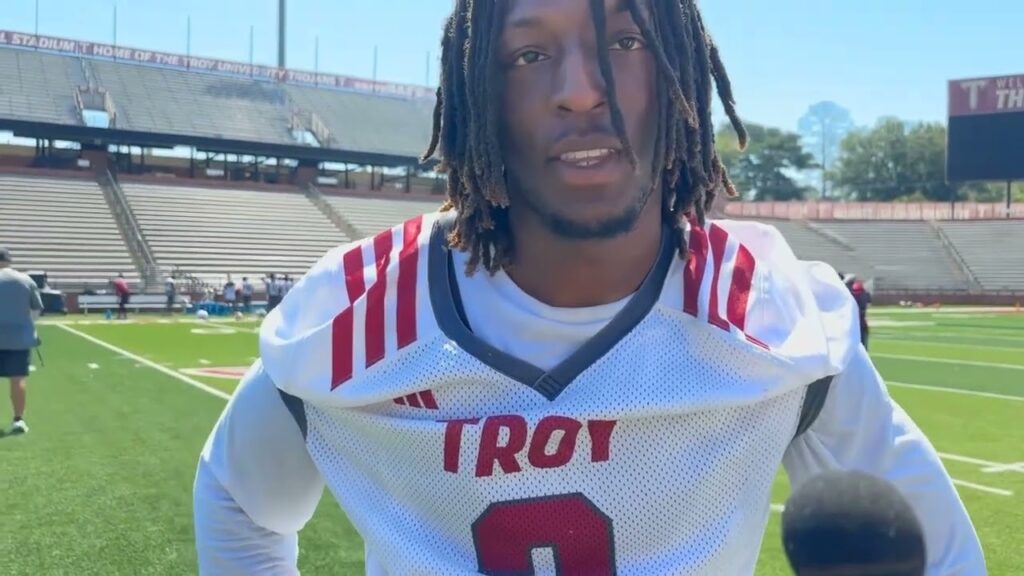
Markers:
47,95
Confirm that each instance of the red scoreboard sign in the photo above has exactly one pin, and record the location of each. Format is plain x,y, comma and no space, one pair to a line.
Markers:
986,129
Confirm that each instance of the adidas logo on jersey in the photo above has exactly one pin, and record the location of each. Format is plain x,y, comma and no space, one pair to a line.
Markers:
423,399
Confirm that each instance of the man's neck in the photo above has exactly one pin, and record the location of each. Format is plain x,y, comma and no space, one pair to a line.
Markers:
577,273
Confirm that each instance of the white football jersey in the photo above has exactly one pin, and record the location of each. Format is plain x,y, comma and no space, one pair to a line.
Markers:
451,456
647,446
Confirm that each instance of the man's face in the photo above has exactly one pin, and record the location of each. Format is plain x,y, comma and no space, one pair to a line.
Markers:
565,164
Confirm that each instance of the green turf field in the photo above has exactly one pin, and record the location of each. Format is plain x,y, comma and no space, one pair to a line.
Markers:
102,483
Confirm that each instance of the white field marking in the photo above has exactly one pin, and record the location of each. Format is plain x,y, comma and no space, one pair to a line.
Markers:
889,323
968,460
956,310
204,362
151,364
975,333
949,361
778,508
922,342
215,331
1015,467
982,487
957,391
93,366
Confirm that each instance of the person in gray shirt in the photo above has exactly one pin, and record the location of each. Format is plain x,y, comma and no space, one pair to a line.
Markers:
20,305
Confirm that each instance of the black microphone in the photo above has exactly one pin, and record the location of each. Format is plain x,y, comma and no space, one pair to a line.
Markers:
852,524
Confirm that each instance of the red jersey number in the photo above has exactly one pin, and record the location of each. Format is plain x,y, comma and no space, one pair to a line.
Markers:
579,534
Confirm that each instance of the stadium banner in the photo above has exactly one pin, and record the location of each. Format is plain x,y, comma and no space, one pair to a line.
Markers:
126,54
993,95
816,210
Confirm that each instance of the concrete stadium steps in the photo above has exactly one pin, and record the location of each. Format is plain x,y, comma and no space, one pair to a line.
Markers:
905,255
372,215
64,228
993,250
211,233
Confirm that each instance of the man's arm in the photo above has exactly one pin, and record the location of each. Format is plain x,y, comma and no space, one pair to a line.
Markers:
861,428
255,486
35,301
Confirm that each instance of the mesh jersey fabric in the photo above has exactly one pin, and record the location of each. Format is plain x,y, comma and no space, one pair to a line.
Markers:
657,456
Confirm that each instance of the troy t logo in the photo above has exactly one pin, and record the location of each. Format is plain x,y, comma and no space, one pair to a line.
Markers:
973,86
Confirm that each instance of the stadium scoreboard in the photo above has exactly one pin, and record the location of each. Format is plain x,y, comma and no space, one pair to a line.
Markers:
986,129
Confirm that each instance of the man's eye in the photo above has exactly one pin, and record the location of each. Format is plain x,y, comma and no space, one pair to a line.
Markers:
628,43
528,57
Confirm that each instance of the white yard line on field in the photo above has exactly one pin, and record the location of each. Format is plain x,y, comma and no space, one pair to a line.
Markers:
958,345
989,466
949,361
149,363
956,391
976,334
1014,467
982,488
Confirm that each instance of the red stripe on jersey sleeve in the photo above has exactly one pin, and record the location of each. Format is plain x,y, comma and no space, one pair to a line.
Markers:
382,244
719,238
354,281
408,264
739,291
343,326
413,400
693,273
757,342
428,400
400,401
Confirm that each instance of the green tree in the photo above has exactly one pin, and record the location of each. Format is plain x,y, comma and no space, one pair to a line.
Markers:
895,161
760,171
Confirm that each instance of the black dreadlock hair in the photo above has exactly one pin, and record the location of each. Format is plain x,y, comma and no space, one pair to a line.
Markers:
466,120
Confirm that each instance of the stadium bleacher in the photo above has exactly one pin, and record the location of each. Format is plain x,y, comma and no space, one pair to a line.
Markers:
367,122
65,228
162,100
371,215
210,233
905,255
992,249
39,87
809,244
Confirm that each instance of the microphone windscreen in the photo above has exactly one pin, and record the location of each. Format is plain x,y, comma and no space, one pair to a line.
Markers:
846,523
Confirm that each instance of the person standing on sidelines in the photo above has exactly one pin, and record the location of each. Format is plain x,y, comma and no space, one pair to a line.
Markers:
247,290
171,292
20,305
275,291
231,295
123,295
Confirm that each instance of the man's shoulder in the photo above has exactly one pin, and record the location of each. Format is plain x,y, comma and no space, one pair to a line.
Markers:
752,282
17,276
357,306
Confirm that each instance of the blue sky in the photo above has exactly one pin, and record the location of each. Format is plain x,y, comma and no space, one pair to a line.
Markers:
875,57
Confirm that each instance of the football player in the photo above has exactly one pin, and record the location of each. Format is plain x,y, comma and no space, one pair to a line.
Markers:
569,369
